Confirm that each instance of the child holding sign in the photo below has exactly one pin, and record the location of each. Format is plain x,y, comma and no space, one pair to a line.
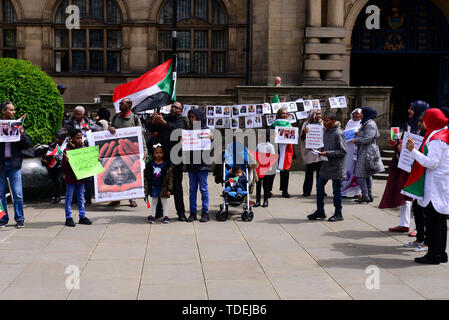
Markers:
73,186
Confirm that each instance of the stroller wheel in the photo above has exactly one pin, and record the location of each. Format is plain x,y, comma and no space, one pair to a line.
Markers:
221,215
245,215
250,216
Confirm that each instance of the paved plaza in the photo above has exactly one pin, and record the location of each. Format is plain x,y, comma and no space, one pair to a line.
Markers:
279,255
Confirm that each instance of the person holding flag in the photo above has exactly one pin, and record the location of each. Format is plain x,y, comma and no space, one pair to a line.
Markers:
429,183
286,152
11,167
53,162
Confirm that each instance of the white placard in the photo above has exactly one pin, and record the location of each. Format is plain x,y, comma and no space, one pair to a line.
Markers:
259,109
308,105
249,122
334,102
235,111
227,111
270,119
314,136
292,107
342,103
121,156
251,109
276,107
266,108
194,140
316,104
243,110
235,123
405,159
257,122
211,123
286,135
210,111
10,130
291,118
301,115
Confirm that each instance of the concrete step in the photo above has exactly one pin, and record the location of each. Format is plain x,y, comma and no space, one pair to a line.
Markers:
381,176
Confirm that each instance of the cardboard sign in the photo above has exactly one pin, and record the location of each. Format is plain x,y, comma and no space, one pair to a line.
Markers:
405,159
84,162
314,137
286,135
193,140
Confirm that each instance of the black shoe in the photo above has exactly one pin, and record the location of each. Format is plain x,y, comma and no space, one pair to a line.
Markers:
265,203
336,217
20,224
270,194
362,200
444,258
151,219
257,204
85,220
192,217
182,217
285,195
69,222
371,199
88,204
317,215
306,194
427,260
55,200
114,204
3,224
204,217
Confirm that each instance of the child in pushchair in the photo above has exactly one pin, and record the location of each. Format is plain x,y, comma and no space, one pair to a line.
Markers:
237,171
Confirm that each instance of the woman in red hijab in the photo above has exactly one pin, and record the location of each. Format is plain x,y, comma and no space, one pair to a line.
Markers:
429,183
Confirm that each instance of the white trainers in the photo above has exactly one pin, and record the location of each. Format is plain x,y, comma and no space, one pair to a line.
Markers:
413,244
421,248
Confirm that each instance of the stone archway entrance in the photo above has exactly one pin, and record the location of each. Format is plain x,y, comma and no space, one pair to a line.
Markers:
410,52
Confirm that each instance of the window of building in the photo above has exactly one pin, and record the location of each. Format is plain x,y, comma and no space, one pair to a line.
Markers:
201,36
96,47
8,32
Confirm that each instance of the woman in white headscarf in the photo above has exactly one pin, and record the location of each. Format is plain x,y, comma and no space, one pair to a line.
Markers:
350,187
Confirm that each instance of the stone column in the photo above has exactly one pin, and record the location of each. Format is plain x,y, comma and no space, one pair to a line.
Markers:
313,20
335,19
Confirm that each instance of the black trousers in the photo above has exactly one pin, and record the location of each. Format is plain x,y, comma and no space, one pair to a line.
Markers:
284,180
178,194
266,183
57,180
420,222
269,180
436,232
308,180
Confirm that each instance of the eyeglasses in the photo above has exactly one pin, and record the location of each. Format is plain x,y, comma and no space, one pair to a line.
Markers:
175,107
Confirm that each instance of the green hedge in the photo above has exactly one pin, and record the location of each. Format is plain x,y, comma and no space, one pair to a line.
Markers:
35,94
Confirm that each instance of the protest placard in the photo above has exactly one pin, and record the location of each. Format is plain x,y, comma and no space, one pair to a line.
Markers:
291,118
286,135
316,104
314,136
235,123
249,122
257,122
121,156
405,159
193,140
308,105
211,123
334,102
266,108
301,115
292,107
259,109
350,134
395,133
10,130
342,103
270,118
84,162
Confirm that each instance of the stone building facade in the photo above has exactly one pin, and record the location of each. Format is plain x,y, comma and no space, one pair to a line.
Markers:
228,43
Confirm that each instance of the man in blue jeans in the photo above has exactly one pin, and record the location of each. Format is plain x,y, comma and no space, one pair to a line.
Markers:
333,167
11,167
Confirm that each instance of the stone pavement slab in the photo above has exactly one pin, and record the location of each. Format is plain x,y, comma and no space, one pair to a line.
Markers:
279,255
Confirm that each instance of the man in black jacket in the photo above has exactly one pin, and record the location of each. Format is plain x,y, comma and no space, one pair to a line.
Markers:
163,126
11,167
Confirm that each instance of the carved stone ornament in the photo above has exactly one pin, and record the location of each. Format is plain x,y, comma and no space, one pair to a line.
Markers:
193,22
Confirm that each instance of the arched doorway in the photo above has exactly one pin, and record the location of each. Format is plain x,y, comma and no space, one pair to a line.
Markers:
410,52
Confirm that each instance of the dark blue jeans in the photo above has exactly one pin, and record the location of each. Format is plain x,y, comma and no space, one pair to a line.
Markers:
15,180
336,185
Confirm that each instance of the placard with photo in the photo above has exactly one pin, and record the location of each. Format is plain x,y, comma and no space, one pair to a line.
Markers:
210,111
266,108
243,110
292,107
226,123
308,105
235,123
270,118
211,123
235,111
333,102
185,110
165,110
219,123
342,102
251,109
218,111
276,107
301,115
259,109
291,118
316,104
286,135
227,111
258,122
249,122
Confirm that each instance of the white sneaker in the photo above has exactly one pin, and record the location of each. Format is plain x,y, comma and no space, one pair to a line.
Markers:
421,248
413,244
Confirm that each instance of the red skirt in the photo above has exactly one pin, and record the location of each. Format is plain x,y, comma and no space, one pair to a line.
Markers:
392,197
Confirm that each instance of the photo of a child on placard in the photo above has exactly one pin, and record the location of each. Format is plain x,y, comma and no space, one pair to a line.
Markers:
316,104
333,102
234,123
266,108
227,111
243,110
292,107
210,111
342,102
259,109
308,105
211,123
292,134
235,111
218,111
270,119
251,109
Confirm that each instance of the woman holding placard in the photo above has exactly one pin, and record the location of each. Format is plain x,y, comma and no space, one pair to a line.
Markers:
311,160
368,161
285,152
350,187
392,197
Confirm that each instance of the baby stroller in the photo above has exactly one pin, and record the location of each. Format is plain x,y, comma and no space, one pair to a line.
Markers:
236,154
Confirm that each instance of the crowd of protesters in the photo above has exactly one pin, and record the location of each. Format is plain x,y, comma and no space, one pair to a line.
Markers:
350,164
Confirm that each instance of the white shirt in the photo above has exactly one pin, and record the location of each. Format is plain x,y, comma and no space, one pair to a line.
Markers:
436,182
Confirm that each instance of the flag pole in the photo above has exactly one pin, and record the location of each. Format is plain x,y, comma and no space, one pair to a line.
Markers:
175,48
